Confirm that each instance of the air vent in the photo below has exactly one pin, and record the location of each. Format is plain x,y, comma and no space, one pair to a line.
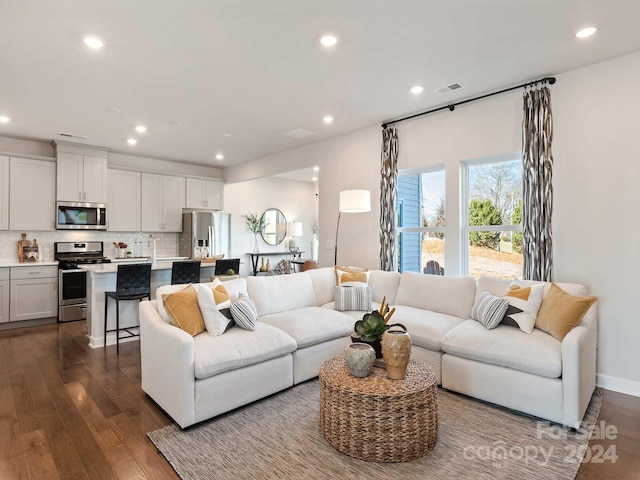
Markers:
72,135
299,133
449,88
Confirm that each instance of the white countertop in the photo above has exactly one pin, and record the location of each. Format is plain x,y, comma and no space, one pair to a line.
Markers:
113,267
15,263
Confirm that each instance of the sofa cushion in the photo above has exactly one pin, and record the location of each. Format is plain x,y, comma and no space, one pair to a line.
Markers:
323,279
311,325
354,314
281,293
449,295
538,353
426,328
384,284
238,348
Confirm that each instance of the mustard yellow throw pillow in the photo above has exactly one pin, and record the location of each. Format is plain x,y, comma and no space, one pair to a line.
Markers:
351,276
184,311
560,312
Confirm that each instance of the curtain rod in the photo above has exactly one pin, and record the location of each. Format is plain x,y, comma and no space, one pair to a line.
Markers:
451,107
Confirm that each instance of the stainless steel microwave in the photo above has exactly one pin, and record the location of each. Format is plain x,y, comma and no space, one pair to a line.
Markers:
81,216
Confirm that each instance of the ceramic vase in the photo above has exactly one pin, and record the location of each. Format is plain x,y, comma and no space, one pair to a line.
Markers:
359,358
314,247
256,249
396,350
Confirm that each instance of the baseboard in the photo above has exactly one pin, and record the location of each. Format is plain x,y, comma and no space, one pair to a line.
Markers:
618,384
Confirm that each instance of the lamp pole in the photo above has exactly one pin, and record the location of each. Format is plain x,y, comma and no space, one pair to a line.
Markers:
335,260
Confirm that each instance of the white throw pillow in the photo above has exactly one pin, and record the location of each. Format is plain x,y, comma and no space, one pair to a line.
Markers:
524,303
489,310
214,321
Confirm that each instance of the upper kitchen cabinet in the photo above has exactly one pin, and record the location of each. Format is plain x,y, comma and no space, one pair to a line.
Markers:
123,214
81,178
32,195
4,193
162,203
205,194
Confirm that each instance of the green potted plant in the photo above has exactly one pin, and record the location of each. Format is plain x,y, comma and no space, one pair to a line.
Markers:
256,224
372,326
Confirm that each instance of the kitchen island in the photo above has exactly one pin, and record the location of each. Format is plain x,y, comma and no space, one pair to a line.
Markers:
102,278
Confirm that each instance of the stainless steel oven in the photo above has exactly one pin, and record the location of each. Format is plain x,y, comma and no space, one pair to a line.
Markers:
72,294
72,281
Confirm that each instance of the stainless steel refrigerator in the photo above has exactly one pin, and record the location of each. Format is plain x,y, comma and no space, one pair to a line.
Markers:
212,227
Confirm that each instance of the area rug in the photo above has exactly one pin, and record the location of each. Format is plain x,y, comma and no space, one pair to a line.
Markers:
280,438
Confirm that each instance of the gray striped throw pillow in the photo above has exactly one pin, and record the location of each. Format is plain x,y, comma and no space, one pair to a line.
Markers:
352,298
489,310
244,312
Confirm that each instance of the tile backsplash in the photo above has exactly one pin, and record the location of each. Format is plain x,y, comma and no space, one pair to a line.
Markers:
166,243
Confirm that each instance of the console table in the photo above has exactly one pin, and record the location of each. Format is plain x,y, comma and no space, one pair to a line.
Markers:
255,257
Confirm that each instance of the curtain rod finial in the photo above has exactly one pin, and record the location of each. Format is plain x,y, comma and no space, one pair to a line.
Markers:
552,80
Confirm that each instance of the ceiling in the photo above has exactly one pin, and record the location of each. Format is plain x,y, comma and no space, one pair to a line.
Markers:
192,70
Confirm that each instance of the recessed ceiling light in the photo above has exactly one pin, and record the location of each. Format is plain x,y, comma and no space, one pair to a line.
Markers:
131,141
226,134
417,89
141,128
93,42
219,156
586,32
4,119
316,169
314,179
327,119
114,109
328,40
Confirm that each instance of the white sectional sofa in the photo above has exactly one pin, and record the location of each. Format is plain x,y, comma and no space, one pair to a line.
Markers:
196,378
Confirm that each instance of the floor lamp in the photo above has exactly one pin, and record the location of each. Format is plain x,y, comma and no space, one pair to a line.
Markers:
351,201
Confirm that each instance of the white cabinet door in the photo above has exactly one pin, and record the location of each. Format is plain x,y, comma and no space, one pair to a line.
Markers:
69,177
4,300
204,194
123,212
214,195
33,298
151,202
32,194
94,179
172,203
195,193
4,193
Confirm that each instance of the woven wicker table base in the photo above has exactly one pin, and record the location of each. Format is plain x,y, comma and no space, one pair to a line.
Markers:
375,418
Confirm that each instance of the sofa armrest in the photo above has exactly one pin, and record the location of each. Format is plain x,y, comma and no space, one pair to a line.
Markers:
579,367
167,365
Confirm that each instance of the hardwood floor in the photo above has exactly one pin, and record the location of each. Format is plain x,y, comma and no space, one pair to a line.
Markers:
70,412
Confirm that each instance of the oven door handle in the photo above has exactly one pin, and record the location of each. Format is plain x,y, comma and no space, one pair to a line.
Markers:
72,270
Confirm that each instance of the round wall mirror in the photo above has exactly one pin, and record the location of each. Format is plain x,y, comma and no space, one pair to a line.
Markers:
275,226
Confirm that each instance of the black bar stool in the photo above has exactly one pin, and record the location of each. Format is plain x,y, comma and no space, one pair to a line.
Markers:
185,272
133,282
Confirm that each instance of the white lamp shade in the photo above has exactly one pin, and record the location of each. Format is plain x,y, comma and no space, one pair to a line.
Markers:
355,201
294,229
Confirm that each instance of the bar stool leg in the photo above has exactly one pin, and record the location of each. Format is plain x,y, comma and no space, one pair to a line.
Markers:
106,305
117,326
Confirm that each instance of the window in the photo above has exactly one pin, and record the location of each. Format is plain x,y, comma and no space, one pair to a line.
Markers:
492,218
421,221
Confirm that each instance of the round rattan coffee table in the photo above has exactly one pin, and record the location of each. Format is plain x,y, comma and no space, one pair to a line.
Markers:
375,418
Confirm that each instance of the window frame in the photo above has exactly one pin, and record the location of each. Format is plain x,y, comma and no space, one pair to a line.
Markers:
419,171
466,229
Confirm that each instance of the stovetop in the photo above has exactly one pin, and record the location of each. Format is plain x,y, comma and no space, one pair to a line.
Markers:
72,254
73,262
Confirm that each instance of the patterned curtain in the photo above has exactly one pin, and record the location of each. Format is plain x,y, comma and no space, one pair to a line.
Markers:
537,202
388,192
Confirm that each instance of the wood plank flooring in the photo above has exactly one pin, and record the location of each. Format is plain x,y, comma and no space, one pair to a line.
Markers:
70,412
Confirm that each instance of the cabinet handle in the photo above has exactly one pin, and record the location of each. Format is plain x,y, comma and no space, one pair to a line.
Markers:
79,195
206,203
84,196
34,273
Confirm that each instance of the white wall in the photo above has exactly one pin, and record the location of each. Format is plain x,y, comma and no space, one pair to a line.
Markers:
297,201
596,199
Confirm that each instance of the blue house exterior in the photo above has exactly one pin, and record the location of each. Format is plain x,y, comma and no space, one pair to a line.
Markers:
409,243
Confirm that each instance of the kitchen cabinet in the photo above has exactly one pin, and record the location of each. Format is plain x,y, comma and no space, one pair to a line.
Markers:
81,178
34,293
162,203
123,214
4,295
32,194
4,193
204,194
